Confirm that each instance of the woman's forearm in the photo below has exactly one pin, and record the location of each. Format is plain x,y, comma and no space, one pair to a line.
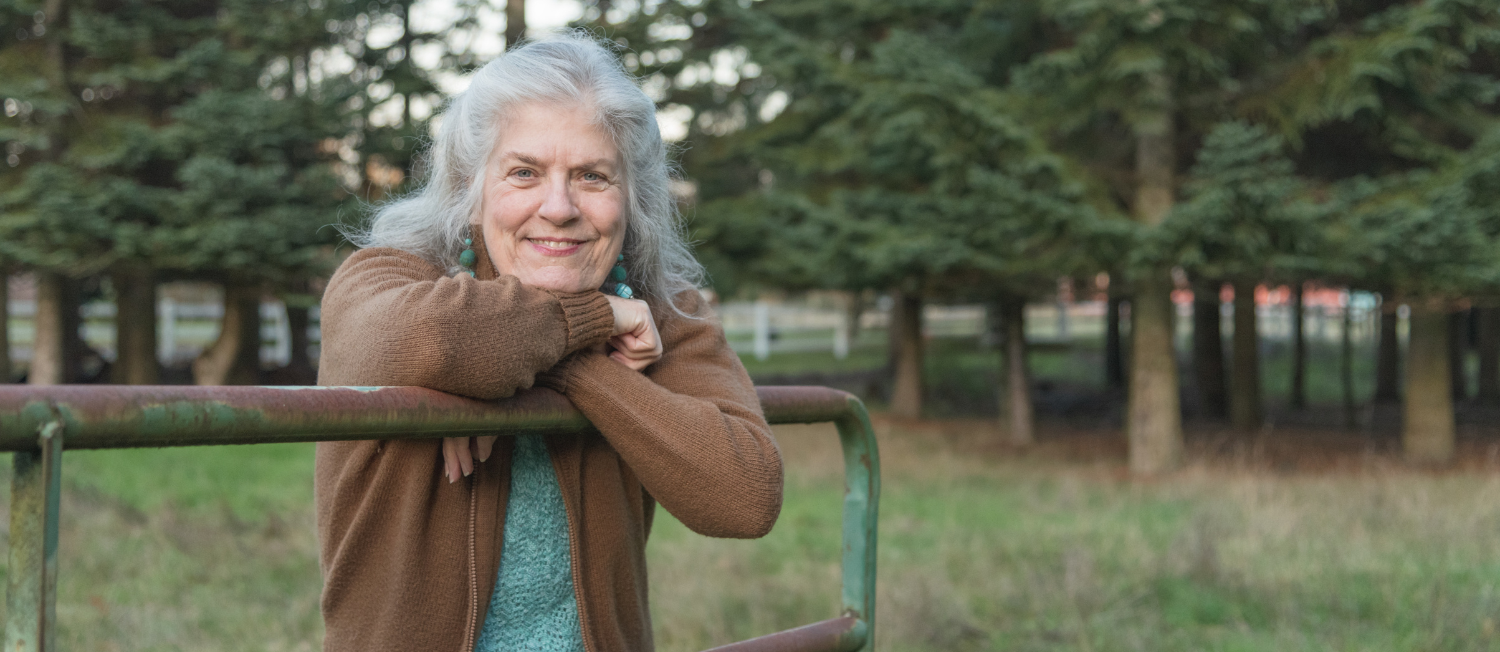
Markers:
390,318
691,430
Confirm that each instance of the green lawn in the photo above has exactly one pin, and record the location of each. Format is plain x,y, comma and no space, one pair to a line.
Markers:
189,549
981,549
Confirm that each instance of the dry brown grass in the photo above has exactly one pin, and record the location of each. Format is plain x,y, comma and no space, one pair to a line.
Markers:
1293,540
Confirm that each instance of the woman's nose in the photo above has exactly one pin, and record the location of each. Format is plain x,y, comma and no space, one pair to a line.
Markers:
558,207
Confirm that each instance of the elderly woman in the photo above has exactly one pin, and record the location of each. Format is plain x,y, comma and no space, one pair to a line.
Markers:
547,186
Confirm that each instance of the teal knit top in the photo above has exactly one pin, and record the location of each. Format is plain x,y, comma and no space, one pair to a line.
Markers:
533,608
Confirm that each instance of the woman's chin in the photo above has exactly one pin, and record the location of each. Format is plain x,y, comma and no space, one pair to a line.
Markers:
558,279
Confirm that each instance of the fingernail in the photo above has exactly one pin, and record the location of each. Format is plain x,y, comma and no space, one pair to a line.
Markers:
467,472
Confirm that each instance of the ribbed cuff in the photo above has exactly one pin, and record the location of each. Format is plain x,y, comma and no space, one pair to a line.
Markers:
590,318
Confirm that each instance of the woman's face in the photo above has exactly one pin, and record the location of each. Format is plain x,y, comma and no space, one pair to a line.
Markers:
553,213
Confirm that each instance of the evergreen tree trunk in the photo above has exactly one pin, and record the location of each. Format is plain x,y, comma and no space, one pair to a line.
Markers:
906,320
1299,350
135,328
299,369
234,358
297,321
5,365
1154,419
1489,356
854,311
1015,398
1114,356
1428,426
57,349
1244,398
1208,351
515,22
1458,349
1346,364
1388,358
1154,422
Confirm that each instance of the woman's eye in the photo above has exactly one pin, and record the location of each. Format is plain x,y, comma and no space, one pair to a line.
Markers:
524,173
592,176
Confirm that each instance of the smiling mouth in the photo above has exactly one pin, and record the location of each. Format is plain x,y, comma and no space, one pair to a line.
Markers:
548,247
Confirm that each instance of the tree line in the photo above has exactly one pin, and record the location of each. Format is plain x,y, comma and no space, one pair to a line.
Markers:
979,150
941,151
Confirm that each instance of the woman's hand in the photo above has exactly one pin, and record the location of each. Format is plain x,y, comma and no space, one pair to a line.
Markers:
635,341
459,454
635,344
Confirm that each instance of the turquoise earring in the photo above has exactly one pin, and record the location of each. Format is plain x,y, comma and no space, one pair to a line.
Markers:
616,283
467,257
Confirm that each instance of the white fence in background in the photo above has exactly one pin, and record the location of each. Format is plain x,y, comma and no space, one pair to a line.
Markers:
183,330
758,328
763,328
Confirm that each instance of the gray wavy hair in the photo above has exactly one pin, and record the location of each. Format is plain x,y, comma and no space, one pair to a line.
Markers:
569,69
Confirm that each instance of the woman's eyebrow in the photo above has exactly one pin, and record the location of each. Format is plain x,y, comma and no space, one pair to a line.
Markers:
524,158
596,163
534,161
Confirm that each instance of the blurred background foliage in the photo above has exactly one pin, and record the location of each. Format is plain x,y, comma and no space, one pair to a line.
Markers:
943,151
978,151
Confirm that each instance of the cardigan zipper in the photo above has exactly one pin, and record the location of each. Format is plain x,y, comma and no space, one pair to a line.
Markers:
473,570
573,559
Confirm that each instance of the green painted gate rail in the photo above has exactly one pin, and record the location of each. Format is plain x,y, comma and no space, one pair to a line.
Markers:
38,423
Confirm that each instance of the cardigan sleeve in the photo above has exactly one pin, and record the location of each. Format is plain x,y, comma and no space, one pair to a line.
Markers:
690,427
392,318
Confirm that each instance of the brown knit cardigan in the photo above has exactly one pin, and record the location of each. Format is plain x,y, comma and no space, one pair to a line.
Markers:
409,560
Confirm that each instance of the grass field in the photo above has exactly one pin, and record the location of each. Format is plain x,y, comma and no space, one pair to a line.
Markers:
982,548
987,549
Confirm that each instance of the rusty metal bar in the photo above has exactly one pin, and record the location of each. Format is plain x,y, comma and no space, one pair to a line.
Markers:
804,404
847,634
31,594
142,417
115,416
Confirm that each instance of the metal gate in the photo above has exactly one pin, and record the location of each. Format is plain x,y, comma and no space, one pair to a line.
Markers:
38,423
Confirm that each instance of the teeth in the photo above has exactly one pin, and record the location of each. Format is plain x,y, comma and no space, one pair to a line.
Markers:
554,244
